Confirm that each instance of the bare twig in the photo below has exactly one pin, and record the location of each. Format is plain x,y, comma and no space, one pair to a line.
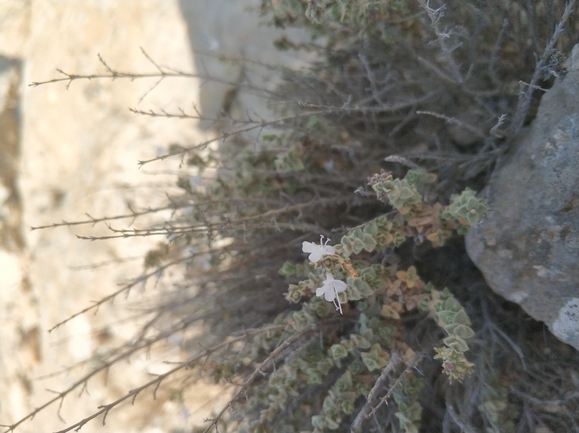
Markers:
116,74
133,393
455,121
94,221
208,226
380,383
384,108
493,60
409,366
125,288
526,89
442,36
368,409
259,371
104,263
401,160
135,214
105,409
496,130
225,135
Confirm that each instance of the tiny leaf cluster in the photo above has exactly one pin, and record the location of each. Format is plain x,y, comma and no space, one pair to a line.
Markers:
346,336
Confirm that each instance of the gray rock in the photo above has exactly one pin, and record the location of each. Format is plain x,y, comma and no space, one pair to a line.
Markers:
527,247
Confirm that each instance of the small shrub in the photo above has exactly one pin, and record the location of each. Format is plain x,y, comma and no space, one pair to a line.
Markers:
328,341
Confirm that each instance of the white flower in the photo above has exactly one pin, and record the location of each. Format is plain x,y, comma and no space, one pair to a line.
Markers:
317,251
330,289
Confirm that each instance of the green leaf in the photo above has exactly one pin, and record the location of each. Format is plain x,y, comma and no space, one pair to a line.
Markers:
324,365
319,422
356,367
358,246
414,411
398,239
370,363
373,358
369,242
382,221
363,287
345,382
368,334
371,228
314,377
424,303
353,293
339,351
451,304
287,270
294,293
348,344
330,407
462,318
463,331
456,343
347,407
473,218
360,342
450,328
289,162
446,317
333,422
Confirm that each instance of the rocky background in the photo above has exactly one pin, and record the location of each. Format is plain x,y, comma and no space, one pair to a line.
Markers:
528,245
70,151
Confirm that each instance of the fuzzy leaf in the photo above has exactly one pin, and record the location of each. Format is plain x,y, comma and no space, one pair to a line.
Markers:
462,318
369,242
339,351
451,304
349,345
360,342
363,287
463,331
371,228
456,343
446,317
319,422
353,293
389,313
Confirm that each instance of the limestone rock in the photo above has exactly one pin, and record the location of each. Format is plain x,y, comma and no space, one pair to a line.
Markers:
528,245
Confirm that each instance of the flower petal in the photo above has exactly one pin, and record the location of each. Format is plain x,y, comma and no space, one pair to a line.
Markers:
307,247
339,286
329,279
316,256
317,251
329,250
329,295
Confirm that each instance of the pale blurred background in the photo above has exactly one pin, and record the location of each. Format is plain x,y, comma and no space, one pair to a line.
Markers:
64,153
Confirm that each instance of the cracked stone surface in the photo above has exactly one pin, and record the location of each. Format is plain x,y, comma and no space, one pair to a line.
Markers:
528,245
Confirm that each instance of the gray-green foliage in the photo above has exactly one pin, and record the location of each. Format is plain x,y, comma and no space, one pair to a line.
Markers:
395,77
380,77
392,77
327,376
